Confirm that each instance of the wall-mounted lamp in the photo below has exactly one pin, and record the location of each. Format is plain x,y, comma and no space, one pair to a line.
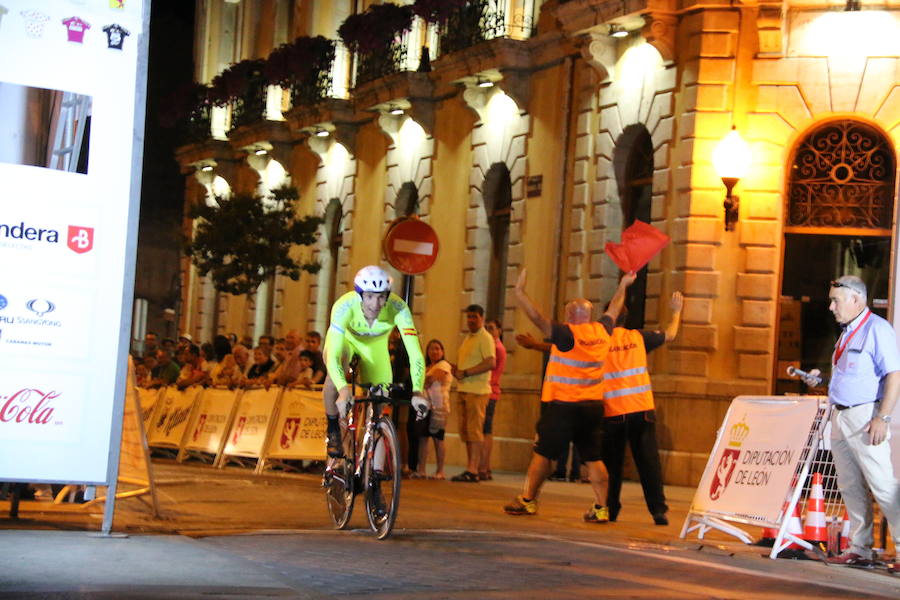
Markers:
206,168
617,31
260,152
731,159
322,133
395,110
485,83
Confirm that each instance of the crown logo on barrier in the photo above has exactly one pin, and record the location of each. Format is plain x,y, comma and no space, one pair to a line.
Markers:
738,433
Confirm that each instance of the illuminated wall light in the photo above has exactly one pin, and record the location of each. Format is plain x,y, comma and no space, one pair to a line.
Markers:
731,159
322,133
617,31
206,168
396,111
261,152
485,83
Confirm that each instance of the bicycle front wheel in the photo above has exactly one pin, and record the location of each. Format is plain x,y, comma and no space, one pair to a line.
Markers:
382,478
338,483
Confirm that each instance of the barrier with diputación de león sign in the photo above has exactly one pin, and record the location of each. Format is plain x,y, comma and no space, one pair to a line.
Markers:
299,430
207,430
759,466
251,426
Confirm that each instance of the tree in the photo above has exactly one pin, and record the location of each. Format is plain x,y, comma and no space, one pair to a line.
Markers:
245,239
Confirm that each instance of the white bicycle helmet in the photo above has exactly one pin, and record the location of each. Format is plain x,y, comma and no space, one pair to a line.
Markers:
372,279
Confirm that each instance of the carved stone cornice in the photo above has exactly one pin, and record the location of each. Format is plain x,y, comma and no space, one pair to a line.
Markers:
578,16
511,58
659,30
211,152
770,29
334,115
413,91
272,136
599,51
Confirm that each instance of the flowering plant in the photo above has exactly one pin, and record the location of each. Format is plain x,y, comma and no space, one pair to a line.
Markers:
294,63
375,28
235,81
437,11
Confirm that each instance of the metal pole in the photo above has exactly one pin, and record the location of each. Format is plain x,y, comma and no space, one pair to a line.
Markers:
122,376
408,290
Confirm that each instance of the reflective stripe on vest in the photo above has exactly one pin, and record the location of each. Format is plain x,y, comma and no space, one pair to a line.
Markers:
578,364
609,394
625,373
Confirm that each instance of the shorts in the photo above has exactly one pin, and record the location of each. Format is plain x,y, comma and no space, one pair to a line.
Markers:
578,422
472,408
489,417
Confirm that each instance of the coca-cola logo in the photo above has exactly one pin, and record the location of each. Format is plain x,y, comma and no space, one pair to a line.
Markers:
28,405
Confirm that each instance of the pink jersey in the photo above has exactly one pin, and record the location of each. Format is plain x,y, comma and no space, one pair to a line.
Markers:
76,28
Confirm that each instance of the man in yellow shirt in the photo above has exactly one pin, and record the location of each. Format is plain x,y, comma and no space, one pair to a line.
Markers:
473,370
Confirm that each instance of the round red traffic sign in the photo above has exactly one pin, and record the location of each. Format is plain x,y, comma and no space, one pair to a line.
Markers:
411,246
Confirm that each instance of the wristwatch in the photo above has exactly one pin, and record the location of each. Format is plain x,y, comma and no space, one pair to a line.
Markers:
885,418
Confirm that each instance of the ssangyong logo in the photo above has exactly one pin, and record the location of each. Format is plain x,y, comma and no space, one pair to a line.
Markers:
79,240
28,405
40,306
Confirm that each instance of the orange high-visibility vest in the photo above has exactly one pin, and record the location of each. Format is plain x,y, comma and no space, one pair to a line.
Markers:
625,377
577,375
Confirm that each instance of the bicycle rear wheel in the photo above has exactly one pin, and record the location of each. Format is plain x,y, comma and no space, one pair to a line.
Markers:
338,483
382,478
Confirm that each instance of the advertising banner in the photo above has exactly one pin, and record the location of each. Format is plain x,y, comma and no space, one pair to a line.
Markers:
299,432
751,467
171,419
208,430
72,81
247,436
148,399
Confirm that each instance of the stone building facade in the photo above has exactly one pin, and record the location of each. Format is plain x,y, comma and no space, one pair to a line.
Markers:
537,144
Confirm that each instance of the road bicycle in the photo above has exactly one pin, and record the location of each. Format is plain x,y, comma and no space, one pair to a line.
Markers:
374,469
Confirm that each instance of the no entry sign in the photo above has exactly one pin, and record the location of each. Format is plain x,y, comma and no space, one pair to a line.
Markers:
411,246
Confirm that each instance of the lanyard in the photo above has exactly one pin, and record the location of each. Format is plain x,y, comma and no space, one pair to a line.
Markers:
839,351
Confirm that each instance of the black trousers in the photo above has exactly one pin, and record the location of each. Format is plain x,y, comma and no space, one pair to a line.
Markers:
638,430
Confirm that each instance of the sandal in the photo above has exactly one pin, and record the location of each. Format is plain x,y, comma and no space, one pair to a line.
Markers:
485,476
466,476
437,476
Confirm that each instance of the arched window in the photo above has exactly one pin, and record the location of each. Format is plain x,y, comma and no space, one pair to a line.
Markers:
334,237
497,195
636,192
842,176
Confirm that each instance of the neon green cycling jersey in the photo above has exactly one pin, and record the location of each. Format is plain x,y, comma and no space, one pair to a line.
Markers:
350,333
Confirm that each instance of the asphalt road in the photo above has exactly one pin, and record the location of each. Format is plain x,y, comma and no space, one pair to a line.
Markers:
236,535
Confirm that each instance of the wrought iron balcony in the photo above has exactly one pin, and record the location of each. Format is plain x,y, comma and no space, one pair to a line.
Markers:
382,62
318,84
251,106
481,20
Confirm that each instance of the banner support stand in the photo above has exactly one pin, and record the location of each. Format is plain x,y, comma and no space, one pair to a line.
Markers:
137,159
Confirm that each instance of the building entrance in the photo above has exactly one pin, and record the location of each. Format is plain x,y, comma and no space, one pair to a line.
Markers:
838,221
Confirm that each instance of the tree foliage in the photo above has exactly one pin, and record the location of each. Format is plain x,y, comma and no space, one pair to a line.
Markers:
247,239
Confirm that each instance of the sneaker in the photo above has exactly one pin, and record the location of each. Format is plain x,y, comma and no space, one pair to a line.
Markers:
850,559
660,519
466,476
521,506
597,514
333,444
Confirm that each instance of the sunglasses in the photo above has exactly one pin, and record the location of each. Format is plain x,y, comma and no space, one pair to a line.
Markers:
838,284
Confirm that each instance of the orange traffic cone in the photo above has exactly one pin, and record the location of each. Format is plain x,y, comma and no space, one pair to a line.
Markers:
845,532
794,527
815,530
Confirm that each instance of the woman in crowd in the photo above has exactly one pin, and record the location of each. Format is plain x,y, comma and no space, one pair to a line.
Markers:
437,385
259,371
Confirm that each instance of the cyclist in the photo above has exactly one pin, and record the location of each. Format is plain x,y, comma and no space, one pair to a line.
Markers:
361,322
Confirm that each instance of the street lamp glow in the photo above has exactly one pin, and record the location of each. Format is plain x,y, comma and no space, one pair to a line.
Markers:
731,157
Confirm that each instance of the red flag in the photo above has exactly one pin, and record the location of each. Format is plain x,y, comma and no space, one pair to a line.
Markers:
640,243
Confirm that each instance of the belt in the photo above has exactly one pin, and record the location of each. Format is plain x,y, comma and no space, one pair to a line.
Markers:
844,407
